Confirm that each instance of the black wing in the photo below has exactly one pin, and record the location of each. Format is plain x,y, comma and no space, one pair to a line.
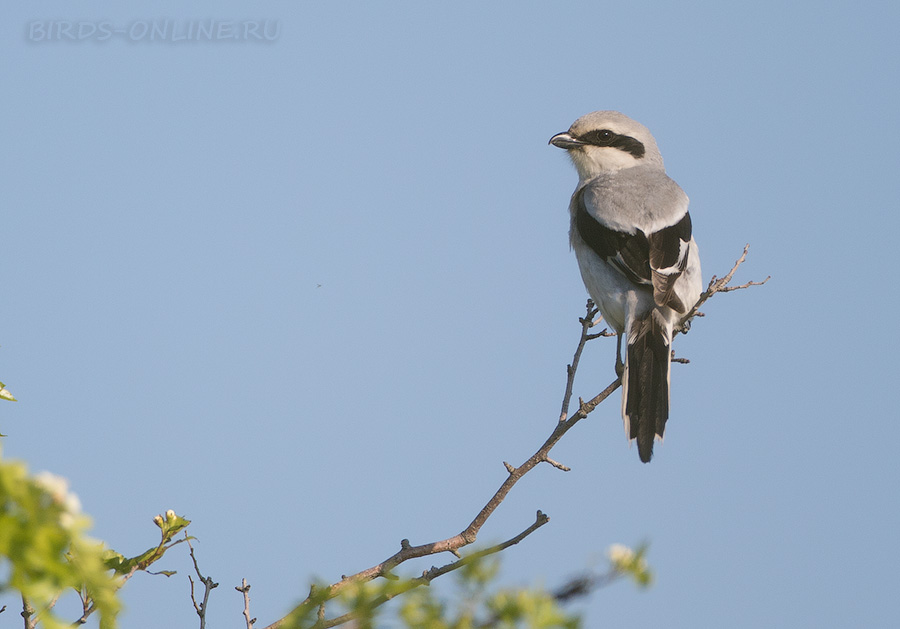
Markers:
656,260
669,248
629,253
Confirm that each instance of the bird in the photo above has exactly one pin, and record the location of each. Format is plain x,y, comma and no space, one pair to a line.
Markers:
631,233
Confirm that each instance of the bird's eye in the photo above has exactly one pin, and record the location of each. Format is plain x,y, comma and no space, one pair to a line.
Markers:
600,137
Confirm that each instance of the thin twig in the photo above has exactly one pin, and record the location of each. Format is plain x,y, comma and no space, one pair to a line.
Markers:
585,584
717,285
208,586
587,322
126,577
28,614
577,587
87,606
245,590
429,575
45,610
558,465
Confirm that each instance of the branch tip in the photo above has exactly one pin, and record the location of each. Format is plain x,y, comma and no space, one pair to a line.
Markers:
245,589
718,285
557,464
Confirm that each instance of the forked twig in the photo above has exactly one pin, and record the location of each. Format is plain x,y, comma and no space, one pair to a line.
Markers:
208,584
717,285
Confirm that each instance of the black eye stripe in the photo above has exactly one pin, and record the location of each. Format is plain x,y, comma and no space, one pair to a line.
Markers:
605,137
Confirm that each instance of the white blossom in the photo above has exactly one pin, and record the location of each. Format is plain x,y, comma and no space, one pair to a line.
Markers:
57,488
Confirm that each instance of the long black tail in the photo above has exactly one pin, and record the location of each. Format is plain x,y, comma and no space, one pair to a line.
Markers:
646,395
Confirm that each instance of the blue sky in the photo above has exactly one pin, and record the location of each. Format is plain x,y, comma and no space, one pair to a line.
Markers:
311,292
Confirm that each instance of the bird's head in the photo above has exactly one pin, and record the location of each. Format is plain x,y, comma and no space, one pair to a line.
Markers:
606,142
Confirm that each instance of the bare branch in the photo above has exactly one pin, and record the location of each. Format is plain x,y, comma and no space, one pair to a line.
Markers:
557,465
717,285
585,584
45,610
28,614
126,577
577,587
429,575
208,586
587,322
87,607
540,520
245,590
318,596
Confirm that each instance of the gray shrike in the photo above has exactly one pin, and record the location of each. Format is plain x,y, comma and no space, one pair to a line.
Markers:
631,233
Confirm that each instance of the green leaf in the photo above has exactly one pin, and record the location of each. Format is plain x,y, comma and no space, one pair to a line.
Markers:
114,560
632,563
44,549
6,395
169,524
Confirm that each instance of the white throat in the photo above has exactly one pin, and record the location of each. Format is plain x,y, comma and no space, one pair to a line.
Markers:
591,161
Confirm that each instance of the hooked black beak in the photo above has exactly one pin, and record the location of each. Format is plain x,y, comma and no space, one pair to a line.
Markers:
566,141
